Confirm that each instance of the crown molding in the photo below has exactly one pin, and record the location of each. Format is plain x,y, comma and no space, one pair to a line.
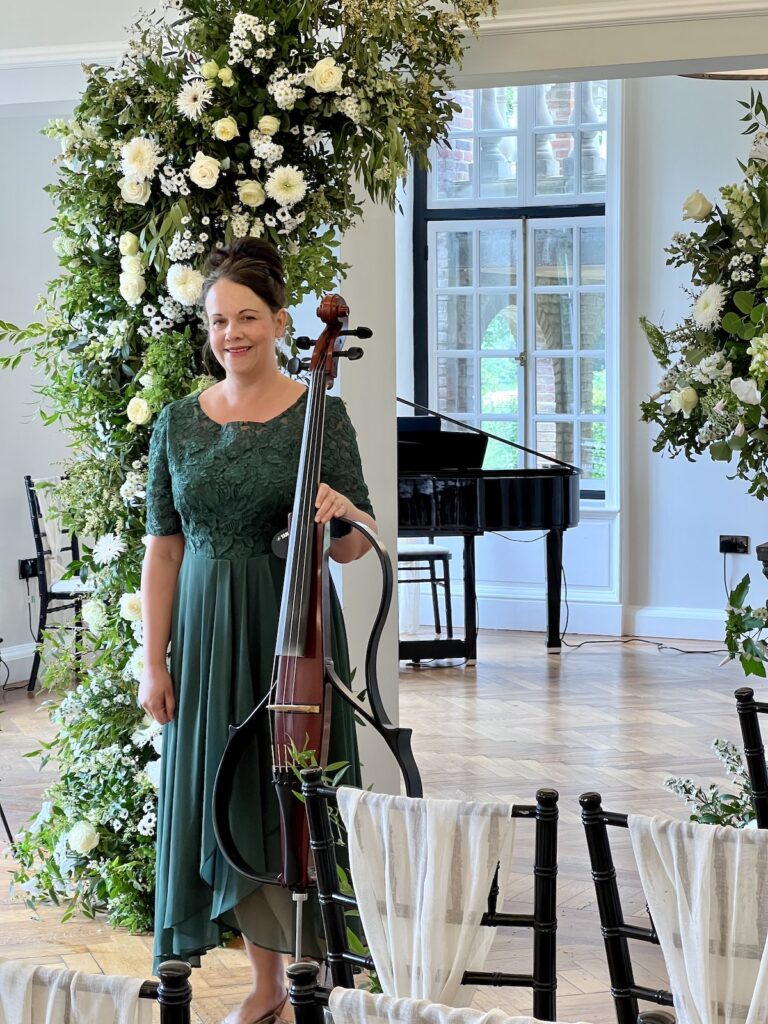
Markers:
616,14
68,55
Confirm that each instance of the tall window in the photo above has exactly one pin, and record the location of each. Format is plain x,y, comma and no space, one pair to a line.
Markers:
510,253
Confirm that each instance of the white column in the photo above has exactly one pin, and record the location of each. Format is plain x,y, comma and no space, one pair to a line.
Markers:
368,388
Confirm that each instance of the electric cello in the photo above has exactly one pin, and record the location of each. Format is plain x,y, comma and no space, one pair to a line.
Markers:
298,702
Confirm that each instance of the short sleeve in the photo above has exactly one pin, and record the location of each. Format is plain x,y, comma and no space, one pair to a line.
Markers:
342,469
162,517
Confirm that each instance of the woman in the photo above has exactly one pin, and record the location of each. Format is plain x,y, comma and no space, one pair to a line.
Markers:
222,475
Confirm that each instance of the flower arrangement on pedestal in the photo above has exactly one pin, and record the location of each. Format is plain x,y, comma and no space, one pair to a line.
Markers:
713,395
224,118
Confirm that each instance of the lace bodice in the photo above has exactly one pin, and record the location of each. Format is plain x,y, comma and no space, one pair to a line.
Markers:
229,487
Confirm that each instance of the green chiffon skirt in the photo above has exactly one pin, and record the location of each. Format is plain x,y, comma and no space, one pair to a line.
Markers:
222,649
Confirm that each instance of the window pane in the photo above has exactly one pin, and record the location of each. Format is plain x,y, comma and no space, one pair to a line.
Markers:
593,161
553,254
555,104
592,459
498,383
498,321
453,170
498,257
553,321
464,121
454,322
592,386
555,171
498,108
592,328
498,455
455,384
554,439
498,167
454,259
554,385
592,242
594,102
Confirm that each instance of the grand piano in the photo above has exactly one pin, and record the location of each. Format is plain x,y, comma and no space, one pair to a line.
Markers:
444,491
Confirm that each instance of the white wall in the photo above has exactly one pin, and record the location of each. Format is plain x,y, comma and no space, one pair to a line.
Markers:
26,263
681,135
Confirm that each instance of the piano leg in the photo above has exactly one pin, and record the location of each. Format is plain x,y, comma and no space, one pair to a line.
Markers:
554,576
470,600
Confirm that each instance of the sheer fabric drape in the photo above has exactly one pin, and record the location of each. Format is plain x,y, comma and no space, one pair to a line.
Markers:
54,995
421,871
354,1006
707,892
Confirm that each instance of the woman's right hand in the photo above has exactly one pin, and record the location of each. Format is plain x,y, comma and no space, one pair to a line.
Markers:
156,694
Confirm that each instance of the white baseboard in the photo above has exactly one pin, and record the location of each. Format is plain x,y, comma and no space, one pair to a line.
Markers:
19,661
675,623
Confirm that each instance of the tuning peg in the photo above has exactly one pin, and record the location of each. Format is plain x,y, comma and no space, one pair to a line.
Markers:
358,332
303,342
295,365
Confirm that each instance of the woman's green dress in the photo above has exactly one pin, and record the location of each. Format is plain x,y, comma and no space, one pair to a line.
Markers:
229,488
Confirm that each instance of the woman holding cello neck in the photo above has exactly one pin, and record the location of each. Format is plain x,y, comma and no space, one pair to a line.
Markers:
222,474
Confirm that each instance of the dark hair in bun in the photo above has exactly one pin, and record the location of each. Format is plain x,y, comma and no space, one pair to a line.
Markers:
251,262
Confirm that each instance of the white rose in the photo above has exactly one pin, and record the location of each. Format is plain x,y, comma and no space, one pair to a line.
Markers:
128,244
82,837
204,170
130,606
225,128
684,401
147,380
94,615
209,69
135,667
132,287
132,265
325,76
746,390
138,411
251,193
134,191
697,207
268,125
184,283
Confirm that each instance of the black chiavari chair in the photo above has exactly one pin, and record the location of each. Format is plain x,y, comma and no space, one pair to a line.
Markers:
616,932
342,961
754,752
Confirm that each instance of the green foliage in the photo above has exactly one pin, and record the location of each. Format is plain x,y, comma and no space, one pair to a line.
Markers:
745,628
713,806
713,395
120,336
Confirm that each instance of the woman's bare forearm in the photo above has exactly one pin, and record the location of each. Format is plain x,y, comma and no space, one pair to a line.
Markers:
354,545
159,574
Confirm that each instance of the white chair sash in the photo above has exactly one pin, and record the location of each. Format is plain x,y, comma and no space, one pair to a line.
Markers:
354,1006
54,995
55,538
707,891
421,871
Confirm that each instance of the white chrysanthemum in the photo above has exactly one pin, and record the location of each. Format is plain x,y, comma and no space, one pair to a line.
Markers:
146,733
193,98
709,306
286,185
140,158
135,666
130,606
185,284
107,548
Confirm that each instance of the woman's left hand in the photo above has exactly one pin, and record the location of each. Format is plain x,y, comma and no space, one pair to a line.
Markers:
331,505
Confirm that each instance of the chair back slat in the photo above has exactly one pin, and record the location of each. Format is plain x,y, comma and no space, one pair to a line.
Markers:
614,929
754,751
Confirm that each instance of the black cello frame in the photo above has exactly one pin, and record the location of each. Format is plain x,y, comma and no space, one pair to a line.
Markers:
616,932
342,961
754,752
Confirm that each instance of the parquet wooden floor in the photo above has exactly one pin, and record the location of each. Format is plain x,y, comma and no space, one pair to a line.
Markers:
617,718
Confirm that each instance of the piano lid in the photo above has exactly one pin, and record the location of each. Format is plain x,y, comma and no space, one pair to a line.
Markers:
468,431
435,451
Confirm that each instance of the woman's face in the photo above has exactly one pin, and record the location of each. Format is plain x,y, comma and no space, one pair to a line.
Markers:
241,327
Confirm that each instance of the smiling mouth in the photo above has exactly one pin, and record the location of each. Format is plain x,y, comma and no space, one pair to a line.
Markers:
238,350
